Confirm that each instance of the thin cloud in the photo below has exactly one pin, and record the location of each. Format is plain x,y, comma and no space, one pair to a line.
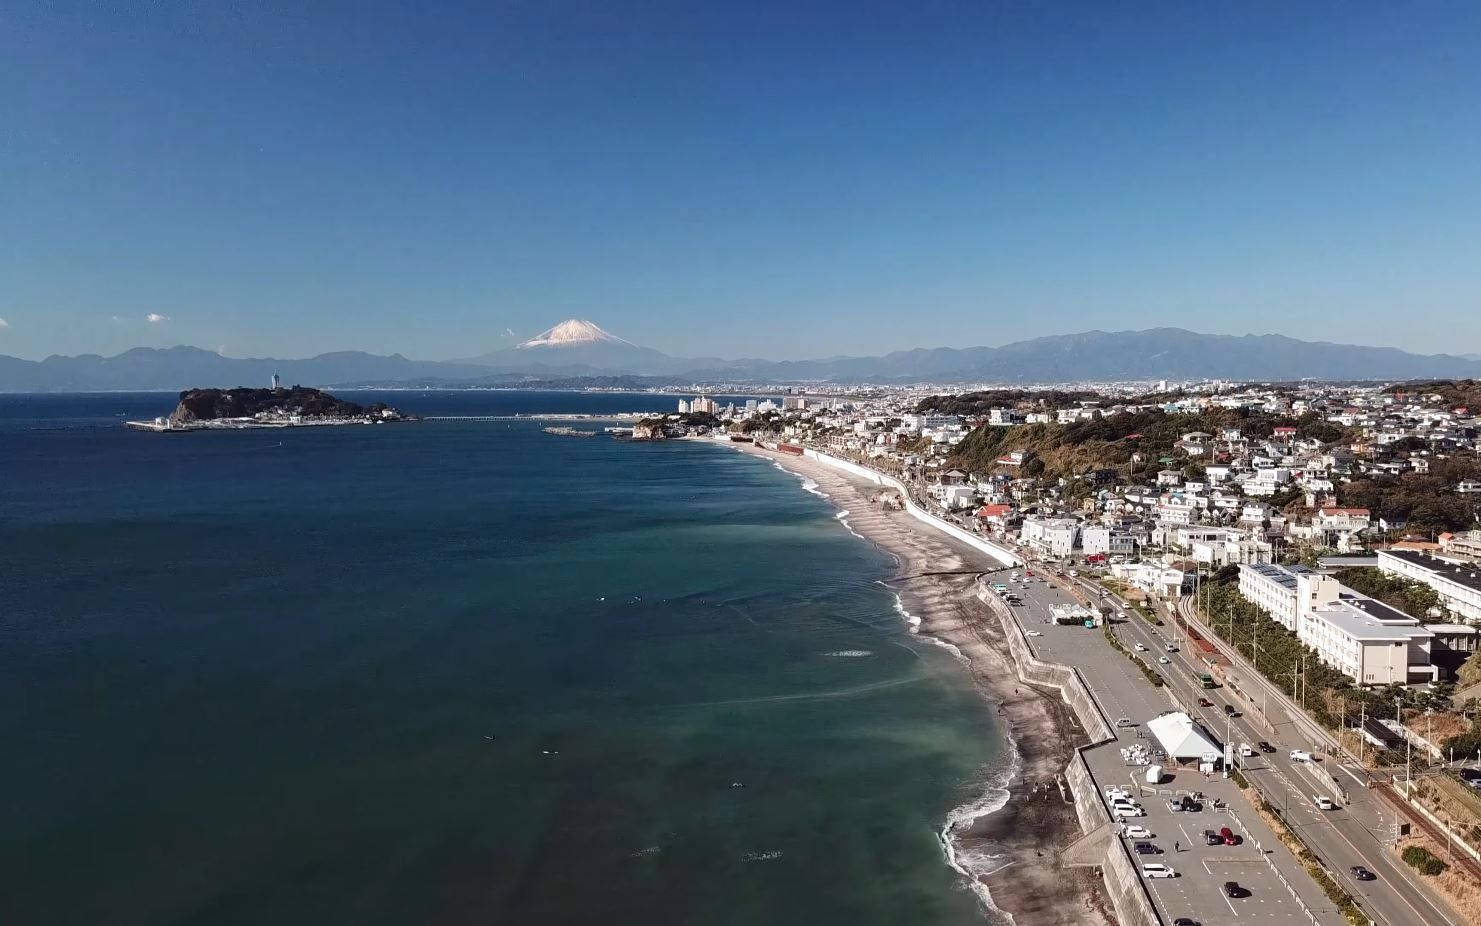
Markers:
154,318
509,333
4,323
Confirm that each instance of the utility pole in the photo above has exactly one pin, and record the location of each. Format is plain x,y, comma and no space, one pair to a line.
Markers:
1362,735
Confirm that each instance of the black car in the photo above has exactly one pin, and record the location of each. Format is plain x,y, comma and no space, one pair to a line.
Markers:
1185,921
1211,838
1363,874
1146,848
1229,710
1265,747
1232,889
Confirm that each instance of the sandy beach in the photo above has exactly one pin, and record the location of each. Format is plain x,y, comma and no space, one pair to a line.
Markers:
1012,854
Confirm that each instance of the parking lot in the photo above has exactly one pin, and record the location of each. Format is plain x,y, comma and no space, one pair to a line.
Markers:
1269,895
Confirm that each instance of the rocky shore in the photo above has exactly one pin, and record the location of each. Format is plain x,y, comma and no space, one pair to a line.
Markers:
1013,854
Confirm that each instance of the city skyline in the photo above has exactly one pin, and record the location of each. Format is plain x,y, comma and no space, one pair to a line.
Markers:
788,183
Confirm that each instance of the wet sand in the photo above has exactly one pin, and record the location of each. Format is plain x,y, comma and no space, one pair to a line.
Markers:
1013,852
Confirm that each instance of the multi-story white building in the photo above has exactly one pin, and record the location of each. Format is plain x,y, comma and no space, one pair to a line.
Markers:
1272,588
1050,536
1364,639
1457,583
1106,541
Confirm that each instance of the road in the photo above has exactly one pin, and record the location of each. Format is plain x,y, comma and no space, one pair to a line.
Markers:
1353,834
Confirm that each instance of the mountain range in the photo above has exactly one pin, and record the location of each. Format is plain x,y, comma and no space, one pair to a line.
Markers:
576,348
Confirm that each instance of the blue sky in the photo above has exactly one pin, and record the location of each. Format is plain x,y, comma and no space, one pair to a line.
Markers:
737,179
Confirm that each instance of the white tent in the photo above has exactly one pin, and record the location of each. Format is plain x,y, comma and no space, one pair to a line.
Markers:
1180,738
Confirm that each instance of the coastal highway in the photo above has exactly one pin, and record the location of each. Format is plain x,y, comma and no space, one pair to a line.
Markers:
1278,888
1353,834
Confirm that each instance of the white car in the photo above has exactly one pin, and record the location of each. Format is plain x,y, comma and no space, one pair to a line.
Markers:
1138,832
1119,792
1300,755
1246,750
1032,633
1158,870
1141,647
1126,810
1324,803
1164,660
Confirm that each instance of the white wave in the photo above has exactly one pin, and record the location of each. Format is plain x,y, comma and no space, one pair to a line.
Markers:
761,856
650,850
910,619
973,864
850,653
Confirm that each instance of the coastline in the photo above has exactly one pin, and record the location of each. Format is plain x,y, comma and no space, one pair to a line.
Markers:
1007,843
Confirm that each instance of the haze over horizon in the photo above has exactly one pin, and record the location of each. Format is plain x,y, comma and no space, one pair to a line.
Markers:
768,181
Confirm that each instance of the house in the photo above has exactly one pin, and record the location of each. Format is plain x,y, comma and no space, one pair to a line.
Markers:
1107,541
1054,537
1170,477
1469,487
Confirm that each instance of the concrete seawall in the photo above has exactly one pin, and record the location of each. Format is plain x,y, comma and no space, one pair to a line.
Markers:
1001,554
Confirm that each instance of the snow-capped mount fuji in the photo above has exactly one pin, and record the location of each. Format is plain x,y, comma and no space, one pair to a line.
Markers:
571,332
577,347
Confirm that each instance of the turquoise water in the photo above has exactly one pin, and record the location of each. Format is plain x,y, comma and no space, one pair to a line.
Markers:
251,678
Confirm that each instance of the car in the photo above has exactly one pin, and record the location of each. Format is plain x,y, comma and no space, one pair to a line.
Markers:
1123,722
1363,874
1186,921
1032,633
1232,889
1246,750
1210,838
1125,802
1145,848
1205,702
1226,834
1164,660
1300,755
1265,747
1172,647
1324,803
1230,711
1138,832
1119,793
1158,870
1028,572
1122,810
1175,805
1140,647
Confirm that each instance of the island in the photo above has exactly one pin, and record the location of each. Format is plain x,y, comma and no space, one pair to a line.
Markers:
281,407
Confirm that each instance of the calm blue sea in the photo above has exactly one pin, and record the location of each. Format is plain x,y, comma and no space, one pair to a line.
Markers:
455,672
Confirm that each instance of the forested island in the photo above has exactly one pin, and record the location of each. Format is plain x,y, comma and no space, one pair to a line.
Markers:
296,406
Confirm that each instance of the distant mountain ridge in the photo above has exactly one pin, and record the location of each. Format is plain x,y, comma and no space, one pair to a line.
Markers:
581,349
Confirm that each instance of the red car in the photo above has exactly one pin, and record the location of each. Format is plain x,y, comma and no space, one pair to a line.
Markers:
1229,838
1205,702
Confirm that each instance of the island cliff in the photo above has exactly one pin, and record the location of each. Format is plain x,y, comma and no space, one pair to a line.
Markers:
301,401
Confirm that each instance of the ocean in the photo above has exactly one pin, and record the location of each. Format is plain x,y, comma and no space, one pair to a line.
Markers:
457,672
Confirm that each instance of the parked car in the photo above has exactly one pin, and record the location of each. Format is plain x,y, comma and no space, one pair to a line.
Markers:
1032,633
1265,747
1226,834
1124,722
1300,755
1145,848
1363,874
1122,810
1158,870
1324,803
1138,832
1118,792
1232,889
1210,838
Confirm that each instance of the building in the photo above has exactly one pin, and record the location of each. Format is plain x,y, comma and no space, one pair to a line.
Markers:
1106,541
703,405
1465,546
277,382
1050,536
1272,589
683,406
1183,741
1364,639
1457,583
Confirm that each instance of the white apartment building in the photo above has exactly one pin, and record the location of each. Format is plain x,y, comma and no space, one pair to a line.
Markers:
1106,541
1272,588
1050,536
1364,639
1457,583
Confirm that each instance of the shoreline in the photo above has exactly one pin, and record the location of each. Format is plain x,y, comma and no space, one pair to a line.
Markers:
1006,843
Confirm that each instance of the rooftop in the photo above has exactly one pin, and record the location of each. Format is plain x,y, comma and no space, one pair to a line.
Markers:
1284,576
1467,574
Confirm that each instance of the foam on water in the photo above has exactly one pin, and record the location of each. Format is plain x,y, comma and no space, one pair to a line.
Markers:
850,653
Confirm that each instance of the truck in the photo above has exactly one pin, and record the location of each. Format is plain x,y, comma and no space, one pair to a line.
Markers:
1206,680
